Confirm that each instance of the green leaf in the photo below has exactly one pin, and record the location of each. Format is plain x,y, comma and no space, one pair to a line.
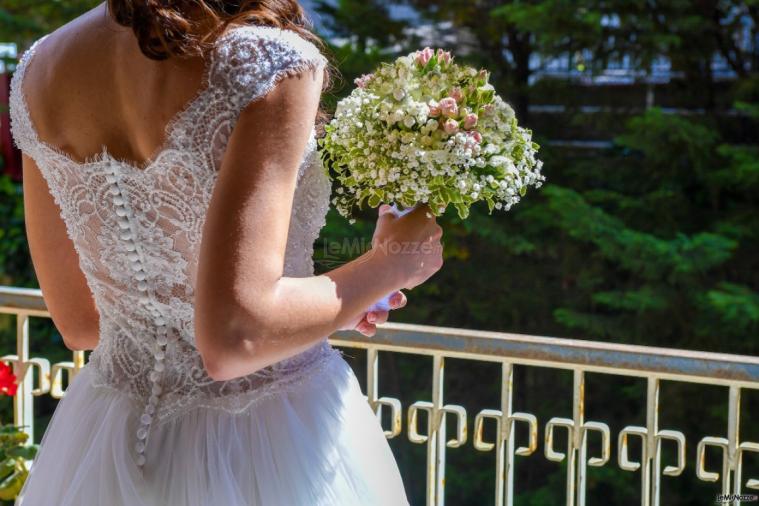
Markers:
23,452
374,200
7,466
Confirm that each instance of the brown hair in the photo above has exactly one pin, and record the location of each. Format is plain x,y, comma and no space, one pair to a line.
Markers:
180,28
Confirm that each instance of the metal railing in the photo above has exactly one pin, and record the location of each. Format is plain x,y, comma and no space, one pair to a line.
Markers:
735,372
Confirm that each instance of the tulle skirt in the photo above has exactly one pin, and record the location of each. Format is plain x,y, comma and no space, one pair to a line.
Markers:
319,444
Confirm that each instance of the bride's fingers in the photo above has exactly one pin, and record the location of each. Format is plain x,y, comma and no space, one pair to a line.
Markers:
376,317
398,300
362,326
366,328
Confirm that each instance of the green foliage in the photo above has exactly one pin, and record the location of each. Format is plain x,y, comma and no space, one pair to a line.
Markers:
364,22
636,252
668,274
550,21
666,140
14,452
736,306
23,21
15,263
650,242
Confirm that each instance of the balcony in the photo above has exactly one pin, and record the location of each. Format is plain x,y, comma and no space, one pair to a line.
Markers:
575,442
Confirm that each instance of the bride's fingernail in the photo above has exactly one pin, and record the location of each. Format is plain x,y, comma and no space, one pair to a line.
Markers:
371,317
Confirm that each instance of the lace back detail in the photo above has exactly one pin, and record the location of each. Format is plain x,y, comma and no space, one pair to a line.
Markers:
137,232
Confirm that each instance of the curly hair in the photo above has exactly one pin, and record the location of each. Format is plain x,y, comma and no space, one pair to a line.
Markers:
167,28
183,28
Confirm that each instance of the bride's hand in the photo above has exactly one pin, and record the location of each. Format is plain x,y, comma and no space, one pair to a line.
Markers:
367,325
408,248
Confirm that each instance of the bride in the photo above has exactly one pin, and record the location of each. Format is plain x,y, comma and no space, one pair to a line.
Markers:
173,194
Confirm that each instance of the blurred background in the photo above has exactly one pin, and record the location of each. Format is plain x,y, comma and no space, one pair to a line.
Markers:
647,231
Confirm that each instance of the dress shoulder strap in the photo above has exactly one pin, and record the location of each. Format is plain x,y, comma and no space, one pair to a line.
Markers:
22,129
250,60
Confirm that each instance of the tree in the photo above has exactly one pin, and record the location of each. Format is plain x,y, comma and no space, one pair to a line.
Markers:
23,21
365,23
504,45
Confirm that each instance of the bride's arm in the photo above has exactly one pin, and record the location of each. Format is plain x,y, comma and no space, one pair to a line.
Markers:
56,264
248,315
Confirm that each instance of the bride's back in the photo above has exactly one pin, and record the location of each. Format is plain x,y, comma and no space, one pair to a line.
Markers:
93,75
130,149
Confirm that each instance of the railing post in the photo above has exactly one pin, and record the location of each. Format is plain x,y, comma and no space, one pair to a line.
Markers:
436,433
505,420
732,452
504,447
505,459
436,447
376,402
372,377
72,368
578,449
23,411
435,437
731,476
577,443
733,440
651,443
651,483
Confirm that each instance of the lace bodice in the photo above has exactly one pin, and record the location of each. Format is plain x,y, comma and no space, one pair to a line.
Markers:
137,231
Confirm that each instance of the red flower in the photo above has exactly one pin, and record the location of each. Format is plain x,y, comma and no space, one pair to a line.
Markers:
8,383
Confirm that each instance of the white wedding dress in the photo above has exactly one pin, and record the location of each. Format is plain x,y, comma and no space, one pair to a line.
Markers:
142,424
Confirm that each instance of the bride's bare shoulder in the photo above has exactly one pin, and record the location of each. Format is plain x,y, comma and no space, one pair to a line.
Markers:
92,73
80,40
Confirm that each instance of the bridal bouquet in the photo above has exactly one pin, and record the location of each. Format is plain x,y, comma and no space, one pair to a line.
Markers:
425,129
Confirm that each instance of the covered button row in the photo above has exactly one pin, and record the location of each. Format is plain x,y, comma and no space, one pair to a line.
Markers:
159,354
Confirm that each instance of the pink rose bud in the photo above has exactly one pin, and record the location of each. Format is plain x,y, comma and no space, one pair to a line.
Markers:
424,56
434,108
448,107
451,126
362,81
473,138
443,56
456,94
470,121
